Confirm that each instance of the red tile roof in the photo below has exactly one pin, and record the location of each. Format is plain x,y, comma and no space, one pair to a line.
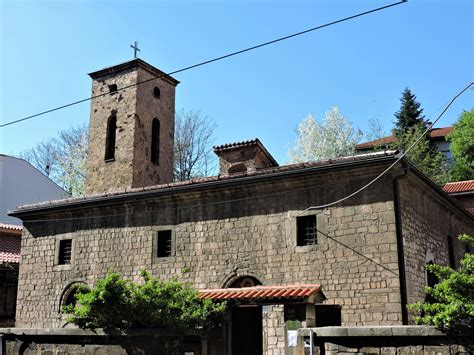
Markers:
9,227
237,144
10,248
440,132
267,171
261,292
376,143
434,134
459,186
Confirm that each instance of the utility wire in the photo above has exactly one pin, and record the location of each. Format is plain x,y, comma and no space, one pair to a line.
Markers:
328,204
276,193
395,162
358,253
211,61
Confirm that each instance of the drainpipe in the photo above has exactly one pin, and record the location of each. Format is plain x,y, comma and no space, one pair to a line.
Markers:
400,250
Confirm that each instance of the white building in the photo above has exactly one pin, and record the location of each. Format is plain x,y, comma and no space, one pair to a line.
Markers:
20,184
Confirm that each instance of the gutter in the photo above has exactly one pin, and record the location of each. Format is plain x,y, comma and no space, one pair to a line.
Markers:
400,249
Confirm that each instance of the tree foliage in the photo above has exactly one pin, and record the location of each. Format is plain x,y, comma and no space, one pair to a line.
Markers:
409,126
115,302
410,113
427,158
193,139
333,137
452,308
63,158
462,147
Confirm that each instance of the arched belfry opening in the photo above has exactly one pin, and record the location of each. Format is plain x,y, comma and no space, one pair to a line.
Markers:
155,141
111,138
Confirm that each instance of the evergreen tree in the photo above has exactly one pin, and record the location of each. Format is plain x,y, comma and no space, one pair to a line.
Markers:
462,146
410,113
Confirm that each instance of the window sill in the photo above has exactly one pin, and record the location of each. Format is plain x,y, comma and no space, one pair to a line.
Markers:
62,267
306,248
109,160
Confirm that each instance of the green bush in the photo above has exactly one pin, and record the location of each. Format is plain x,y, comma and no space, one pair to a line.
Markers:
115,302
452,308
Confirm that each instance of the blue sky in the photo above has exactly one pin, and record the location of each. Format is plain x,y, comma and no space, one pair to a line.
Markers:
362,66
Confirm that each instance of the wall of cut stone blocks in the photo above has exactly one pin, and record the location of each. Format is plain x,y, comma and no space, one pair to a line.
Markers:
216,242
274,330
426,224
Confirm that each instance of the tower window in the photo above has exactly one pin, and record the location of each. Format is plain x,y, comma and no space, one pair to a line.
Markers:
164,244
113,88
306,230
155,141
65,251
156,92
110,141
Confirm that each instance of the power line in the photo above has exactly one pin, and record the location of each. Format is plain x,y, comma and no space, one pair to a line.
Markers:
277,193
210,61
396,161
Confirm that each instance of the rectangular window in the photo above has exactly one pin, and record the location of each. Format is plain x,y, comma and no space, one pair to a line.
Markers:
65,251
306,230
164,244
328,315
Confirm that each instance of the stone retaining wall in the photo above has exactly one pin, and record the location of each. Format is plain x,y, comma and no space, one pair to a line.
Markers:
76,341
379,340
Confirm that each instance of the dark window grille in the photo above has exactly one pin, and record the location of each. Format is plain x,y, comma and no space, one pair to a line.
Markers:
110,141
306,230
155,141
164,244
65,251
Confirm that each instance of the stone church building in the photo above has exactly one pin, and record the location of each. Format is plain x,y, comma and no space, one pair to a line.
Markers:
247,235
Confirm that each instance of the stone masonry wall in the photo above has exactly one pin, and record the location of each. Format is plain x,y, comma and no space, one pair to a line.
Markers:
149,107
135,108
274,330
426,222
215,242
123,105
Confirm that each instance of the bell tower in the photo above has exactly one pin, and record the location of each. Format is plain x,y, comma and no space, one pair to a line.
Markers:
131,130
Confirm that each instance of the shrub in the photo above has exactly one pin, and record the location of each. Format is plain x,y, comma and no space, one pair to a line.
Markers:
115,302
452,305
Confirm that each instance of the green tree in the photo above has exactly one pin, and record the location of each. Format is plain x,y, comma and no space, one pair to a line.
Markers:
333,137
452,305
115,302
462,147
427,158
410,113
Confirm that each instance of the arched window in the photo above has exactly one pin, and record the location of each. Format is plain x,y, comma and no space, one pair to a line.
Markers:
245,281
110,140
68,296
113,88
155,141
237,168
156,92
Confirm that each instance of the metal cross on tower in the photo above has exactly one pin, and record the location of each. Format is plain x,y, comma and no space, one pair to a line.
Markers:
135,49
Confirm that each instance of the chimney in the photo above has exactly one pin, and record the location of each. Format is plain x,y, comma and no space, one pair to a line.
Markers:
243,157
